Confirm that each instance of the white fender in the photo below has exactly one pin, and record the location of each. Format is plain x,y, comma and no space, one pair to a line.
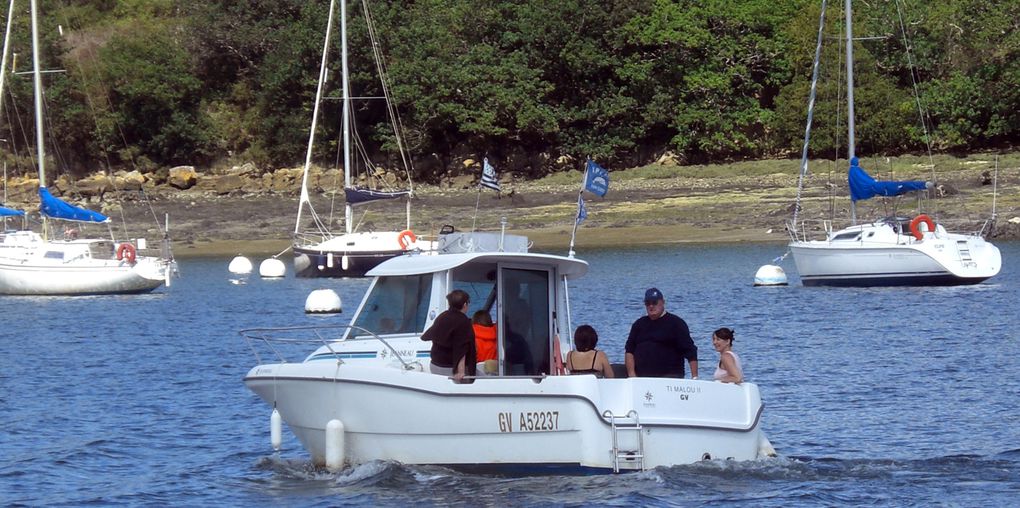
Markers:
335,445
275,430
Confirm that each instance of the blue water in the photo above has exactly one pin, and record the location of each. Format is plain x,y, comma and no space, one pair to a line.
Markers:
897,396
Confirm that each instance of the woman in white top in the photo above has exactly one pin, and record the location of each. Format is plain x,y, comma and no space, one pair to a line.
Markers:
729,370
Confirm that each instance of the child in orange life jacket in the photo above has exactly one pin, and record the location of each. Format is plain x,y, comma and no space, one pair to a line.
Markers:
485,337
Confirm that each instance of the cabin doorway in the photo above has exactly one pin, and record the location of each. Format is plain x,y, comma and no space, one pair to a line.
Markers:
525,321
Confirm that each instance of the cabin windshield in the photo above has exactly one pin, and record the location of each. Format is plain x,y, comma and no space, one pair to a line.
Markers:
395,305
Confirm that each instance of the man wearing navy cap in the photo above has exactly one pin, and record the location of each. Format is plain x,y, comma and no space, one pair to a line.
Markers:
659,343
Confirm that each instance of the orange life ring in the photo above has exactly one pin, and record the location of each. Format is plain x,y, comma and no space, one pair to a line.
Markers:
406,238
126,251
916,231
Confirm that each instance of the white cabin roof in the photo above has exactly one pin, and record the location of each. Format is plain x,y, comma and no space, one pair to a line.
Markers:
418,264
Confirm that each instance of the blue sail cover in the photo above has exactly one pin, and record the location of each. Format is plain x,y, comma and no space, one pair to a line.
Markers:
57,209
863,186
357,196
10,212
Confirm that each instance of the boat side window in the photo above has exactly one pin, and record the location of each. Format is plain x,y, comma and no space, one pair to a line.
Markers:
481,293
101,250
395,305
853,235
54,254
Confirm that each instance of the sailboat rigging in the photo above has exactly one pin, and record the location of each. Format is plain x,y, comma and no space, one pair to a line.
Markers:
319,252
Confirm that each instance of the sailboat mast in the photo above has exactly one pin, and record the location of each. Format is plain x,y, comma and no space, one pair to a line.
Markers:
315,119
3,61
851,152
850,81
348,211
37,79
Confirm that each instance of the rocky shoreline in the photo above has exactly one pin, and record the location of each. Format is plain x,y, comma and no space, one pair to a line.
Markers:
241,210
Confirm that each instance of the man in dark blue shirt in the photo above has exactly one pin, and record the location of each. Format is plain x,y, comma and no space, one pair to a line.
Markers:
659,343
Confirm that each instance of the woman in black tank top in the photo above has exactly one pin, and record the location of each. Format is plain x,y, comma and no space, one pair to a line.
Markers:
585,354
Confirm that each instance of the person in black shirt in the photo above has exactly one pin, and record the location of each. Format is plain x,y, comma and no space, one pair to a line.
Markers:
453,339
659,343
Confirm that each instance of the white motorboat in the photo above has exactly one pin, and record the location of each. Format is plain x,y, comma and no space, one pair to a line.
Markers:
320,251
39,264
368,385
888,252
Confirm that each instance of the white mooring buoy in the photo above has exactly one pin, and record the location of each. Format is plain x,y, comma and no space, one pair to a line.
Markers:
323,301
239,264
275,430
770,275
272,268
335,445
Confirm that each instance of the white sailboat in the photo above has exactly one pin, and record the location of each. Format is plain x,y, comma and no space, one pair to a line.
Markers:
365,392
37,264
320,252
896,251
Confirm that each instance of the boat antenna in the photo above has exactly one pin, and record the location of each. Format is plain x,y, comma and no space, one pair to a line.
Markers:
810,117
502,232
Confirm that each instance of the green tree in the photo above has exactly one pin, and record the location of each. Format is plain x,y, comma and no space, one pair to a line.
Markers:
154,95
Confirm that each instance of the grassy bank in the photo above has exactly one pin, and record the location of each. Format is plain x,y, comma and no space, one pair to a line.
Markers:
655,204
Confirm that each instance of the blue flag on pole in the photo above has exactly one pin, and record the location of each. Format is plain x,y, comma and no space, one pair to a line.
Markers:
596,179
489,178
582,212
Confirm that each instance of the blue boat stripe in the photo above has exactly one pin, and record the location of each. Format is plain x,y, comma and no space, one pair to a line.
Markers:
359,355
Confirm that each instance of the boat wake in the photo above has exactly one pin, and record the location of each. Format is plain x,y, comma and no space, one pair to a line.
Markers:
768,482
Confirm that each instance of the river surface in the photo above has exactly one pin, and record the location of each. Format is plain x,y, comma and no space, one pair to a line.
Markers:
890,397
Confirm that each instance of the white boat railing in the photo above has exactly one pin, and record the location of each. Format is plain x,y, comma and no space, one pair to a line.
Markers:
823,228
311,238
275,339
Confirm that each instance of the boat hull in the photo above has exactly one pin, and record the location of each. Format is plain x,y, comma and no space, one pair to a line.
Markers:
348,255
391,414
949,261
311,262
98,279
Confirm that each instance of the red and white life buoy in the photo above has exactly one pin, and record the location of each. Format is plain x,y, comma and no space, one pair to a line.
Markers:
126,252
916,230
406,238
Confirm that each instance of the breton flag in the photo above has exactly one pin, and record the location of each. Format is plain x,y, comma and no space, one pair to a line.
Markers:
596,179
582,211
489,176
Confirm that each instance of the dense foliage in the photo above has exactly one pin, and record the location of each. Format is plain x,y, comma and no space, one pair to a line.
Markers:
151,83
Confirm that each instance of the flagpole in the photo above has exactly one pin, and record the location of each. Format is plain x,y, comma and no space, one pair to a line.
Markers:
573,232
478,201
